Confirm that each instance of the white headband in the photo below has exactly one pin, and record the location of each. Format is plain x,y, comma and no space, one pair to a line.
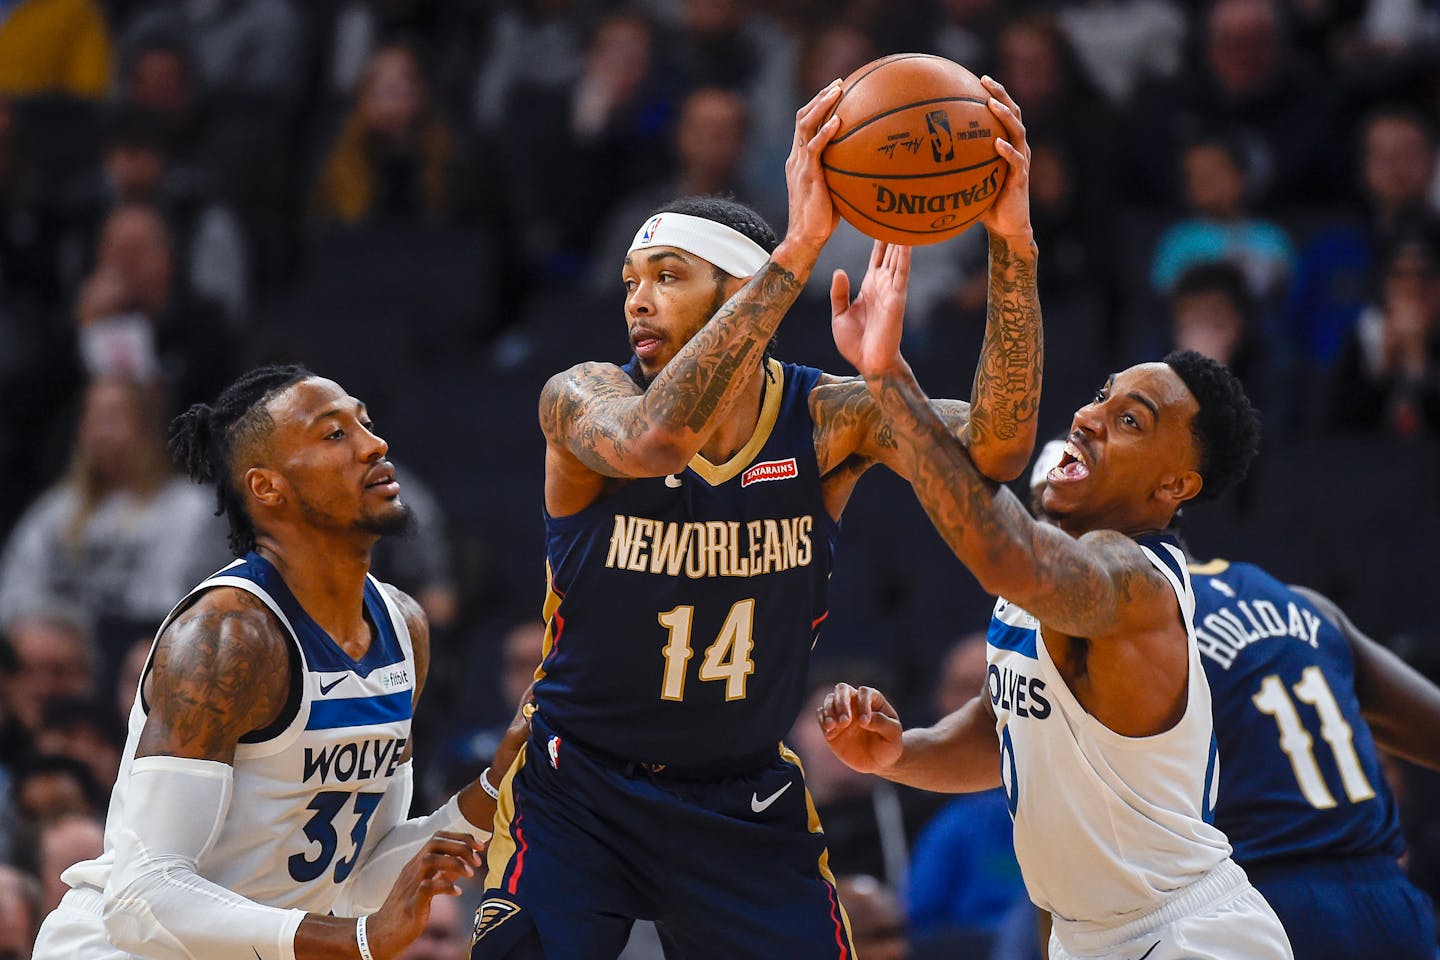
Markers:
728,249
1050,455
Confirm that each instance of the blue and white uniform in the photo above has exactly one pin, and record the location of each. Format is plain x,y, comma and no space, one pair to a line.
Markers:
1114,833
1302,795
311,795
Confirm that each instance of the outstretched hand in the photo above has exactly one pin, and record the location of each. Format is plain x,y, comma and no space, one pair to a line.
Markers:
868,330
433,871
1009,215
861,728
812,213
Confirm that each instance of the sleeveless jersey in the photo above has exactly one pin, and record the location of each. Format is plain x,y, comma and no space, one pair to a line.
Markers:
305,792
1106,826
1301,774
682,609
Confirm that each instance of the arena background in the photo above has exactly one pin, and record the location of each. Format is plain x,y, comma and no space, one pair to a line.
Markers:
428,200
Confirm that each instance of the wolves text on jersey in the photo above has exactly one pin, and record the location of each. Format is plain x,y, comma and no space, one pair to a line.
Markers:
354,760
713,548
1012,690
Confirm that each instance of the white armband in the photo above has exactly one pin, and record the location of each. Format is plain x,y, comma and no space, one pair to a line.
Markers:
371,882
156,903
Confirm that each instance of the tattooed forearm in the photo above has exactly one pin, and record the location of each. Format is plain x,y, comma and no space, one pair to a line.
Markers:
615,429
1006,394
848,423
1044,569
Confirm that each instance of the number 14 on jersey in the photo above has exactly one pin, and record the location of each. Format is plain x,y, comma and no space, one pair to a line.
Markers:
727,659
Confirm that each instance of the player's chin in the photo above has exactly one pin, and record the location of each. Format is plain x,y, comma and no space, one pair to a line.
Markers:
393,518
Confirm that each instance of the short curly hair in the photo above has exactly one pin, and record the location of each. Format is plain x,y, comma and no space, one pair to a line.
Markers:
1226,428
727,210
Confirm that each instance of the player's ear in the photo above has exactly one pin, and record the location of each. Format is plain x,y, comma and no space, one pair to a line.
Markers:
266,487
1176,488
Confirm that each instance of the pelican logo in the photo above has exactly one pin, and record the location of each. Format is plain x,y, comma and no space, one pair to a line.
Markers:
491,914
942,142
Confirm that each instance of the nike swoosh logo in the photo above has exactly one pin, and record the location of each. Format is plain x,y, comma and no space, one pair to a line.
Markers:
1150,951
326,688
759,805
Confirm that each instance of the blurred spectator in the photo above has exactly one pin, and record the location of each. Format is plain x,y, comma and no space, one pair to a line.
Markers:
394,158
966,31
55,659
1252,88
48,787
136,167
137,319
877,924
54,47
1125,43
710,140
569,154
159,76
1220,227
64,842
248,48
1388,377
420,561
1335,273
533,43
123,534
521,648
19,912
1213,311
441,939
82,729
127,678
963,871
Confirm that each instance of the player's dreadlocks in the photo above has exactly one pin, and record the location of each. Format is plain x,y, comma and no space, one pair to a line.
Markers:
737,217
204,439
1226,428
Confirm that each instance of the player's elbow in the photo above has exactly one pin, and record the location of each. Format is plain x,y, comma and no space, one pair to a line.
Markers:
1001,464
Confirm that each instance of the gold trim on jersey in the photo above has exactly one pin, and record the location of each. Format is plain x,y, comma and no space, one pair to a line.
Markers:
814,826
502,844
547,613
1213,568
769,413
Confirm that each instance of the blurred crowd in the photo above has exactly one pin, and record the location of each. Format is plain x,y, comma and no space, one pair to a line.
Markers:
428,200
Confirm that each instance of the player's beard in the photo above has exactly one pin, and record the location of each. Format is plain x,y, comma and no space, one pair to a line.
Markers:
399,521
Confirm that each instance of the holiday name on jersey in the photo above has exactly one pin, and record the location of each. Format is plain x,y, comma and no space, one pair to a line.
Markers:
713,548
354,760
1224,633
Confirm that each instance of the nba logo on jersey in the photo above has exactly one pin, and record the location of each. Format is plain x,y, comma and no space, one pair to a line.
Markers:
648,234
553,748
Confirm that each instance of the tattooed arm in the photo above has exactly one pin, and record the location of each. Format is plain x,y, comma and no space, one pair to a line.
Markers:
598,424
220,670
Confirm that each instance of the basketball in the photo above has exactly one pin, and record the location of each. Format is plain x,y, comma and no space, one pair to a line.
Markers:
914,159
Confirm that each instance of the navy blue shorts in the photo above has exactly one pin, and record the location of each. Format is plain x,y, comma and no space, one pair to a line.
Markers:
727,867
1344,909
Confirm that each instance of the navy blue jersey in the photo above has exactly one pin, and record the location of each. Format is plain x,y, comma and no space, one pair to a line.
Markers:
682,609
1299,773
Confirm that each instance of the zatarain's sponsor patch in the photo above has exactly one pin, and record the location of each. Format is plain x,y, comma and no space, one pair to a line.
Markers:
770,470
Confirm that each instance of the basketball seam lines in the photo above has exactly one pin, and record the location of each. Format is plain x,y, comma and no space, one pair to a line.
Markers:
884,61
911,176
891,226
914,103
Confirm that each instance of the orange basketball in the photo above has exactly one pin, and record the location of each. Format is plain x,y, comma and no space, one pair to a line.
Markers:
914,160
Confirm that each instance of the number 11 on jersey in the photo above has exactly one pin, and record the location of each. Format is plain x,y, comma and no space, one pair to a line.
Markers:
728,658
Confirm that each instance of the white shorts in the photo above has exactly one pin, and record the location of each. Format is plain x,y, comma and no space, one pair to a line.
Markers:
1218,917
75,931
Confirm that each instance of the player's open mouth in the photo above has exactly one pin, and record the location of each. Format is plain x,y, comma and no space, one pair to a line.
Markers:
1073,466
645,347
382,481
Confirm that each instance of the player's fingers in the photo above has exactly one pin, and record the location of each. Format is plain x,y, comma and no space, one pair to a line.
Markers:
877,253
1013,157
823,135
1014,129
454,844
998,91
812,117
839,293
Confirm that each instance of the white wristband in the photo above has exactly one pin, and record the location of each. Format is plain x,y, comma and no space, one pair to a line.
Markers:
361,940
492,792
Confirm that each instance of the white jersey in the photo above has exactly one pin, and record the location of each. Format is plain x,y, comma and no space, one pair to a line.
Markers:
306,790
1106,826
